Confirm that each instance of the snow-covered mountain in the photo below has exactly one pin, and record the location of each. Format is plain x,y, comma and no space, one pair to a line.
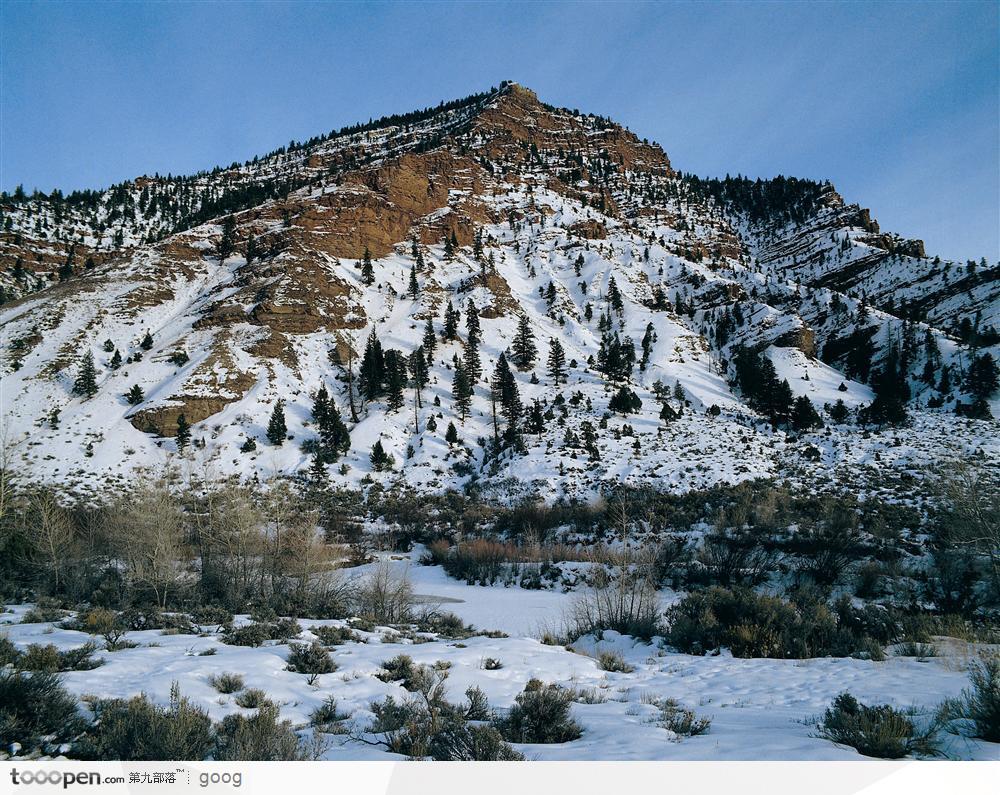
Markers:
215,296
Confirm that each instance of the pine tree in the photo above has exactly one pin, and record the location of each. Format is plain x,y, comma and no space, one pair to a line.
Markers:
367,270
429,340
451,317
557,361
839,412
86,376
317,469
647,345
395,378
983,377
625,402
147,342
334,437
135,395
116,360
523,349
472,327
535,421
450,243
413,287
371,375
276,428
381,461
461,391
251,249
804,415
891,393
183,435
503,390
227,243
451,435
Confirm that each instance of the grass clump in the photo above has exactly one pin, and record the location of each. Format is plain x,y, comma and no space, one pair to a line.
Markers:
681,721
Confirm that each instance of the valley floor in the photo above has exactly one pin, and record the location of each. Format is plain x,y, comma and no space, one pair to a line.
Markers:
760,708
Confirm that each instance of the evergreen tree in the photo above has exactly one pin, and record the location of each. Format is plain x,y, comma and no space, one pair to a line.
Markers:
615,297
147,342
983,377
430,340
317,469
451,317
251,249
396,368
413,286
461,391
647,345
276,428
472,327
535,421
371,376
625,402
116,360
557,361
183,435
891,393
380,459
367,270
804,415
418,372
523,349
504,391
334,437
135,395
450,244
451,435
86,376
839,412
227,243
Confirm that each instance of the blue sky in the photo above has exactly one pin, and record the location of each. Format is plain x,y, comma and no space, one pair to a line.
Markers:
895,102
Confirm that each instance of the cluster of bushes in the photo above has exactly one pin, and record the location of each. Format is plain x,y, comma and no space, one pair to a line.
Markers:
48,658
757,625
37,713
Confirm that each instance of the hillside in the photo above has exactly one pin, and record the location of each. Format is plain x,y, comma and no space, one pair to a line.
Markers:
220,294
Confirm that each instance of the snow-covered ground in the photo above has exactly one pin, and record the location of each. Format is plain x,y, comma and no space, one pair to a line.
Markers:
760,708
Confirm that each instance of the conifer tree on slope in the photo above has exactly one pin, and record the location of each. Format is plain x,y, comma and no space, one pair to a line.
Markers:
276,428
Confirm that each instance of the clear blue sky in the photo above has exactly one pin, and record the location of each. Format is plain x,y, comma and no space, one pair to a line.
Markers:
896,103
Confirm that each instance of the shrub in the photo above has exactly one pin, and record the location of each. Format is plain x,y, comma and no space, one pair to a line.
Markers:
226,682
682,722
310,658
43,612
615,663
479,706
540,715
284,629
385,597
880,731
211,615
9,653
257,737
35,705
247,635
49,658
434,728
978,708
400,667
756,625
138,730
327,714
492,664
251,699
335,636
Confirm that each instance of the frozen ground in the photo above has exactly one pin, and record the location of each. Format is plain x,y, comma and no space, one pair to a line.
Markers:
760,708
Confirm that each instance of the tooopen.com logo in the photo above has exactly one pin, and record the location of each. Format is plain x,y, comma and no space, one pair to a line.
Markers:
56,778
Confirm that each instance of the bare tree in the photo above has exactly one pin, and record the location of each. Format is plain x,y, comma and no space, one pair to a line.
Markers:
972,518
51,533
386,597
149,534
